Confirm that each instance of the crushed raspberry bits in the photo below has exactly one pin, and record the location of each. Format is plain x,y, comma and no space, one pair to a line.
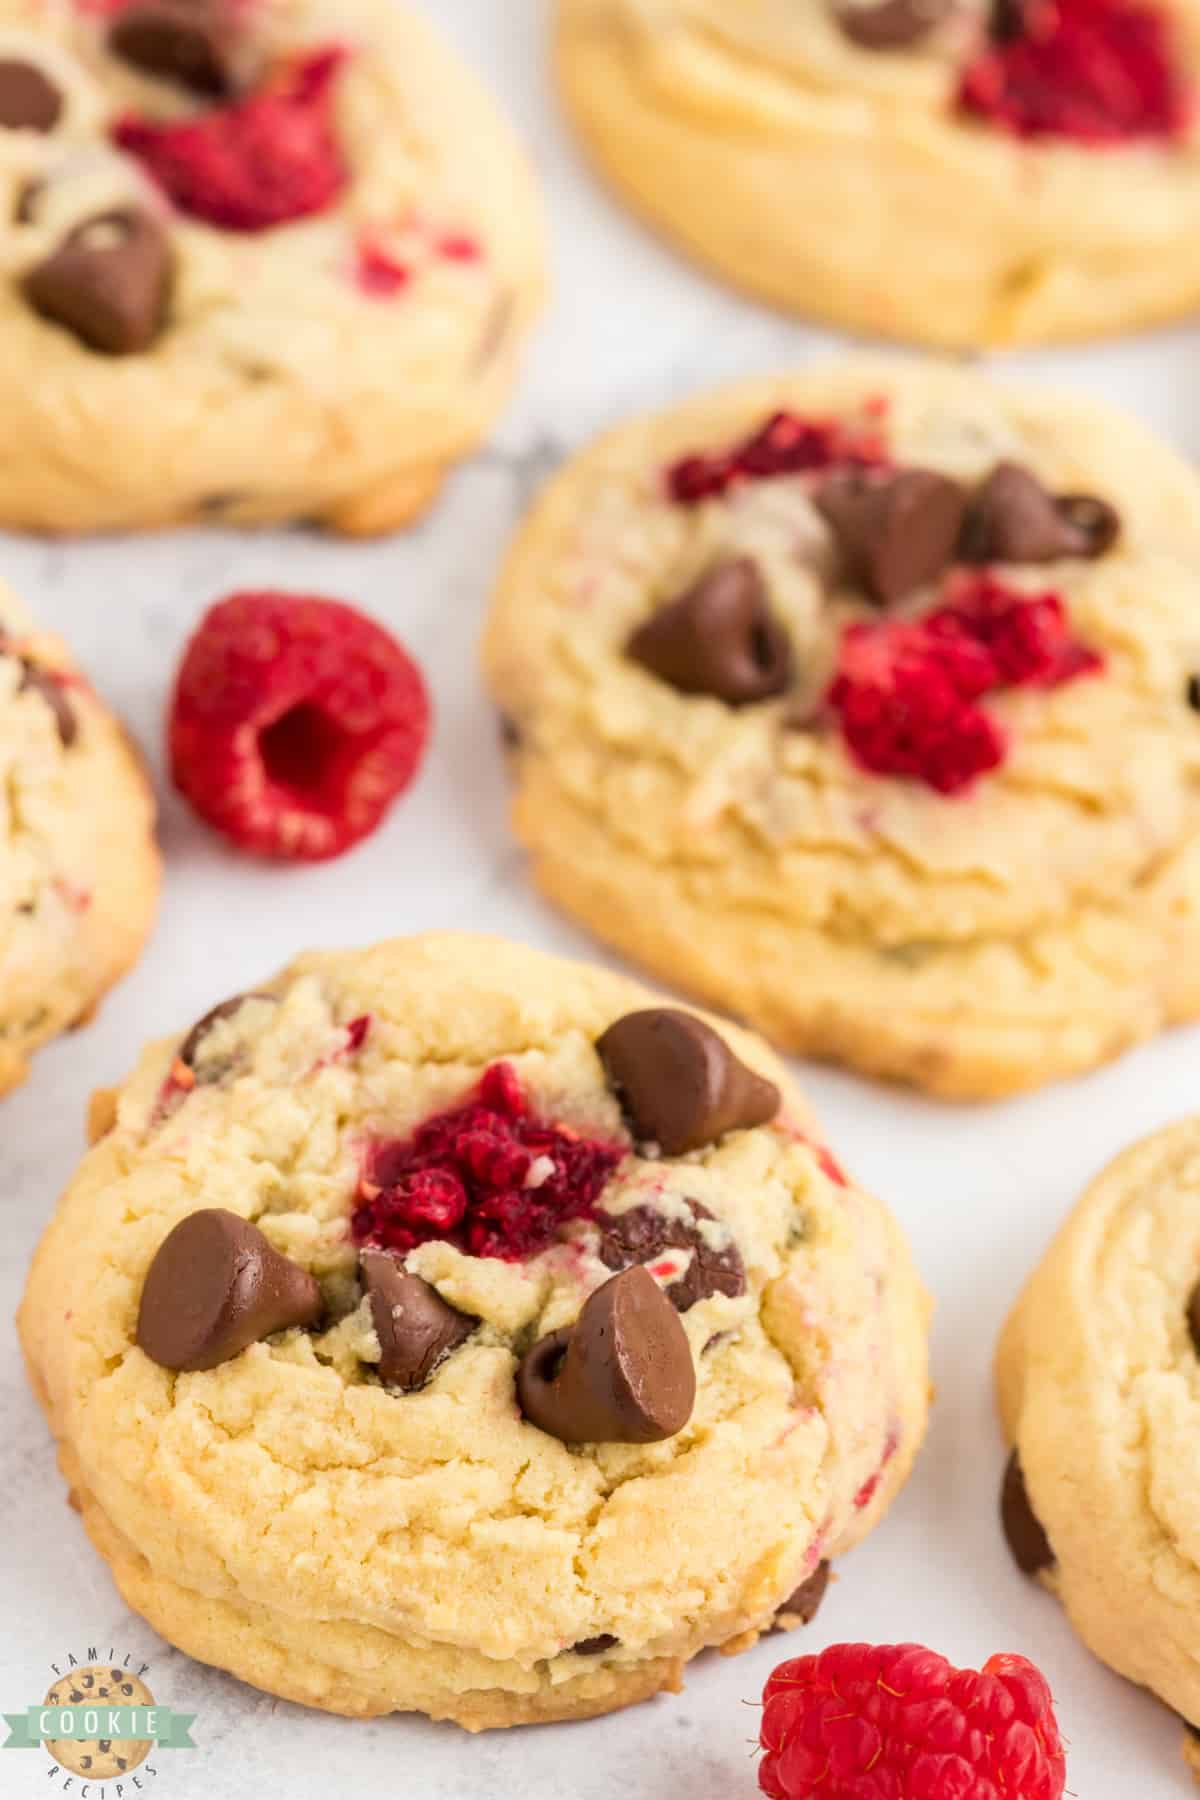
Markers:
259,162
488,1176
898,1722
907,693
785,445
1100,72
295,724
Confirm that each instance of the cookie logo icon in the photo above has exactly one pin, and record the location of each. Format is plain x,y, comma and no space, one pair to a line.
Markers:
99,1688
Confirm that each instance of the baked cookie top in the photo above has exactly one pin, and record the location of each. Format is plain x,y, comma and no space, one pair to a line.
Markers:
79,869
886,678
433,1157
286,224
1099,1384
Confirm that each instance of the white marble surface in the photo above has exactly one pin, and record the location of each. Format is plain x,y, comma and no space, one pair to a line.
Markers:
979,1189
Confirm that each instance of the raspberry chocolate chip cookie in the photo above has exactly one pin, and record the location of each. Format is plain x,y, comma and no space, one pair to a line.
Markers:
864,703
959,172
451,1293
1099,1384
260,260
79,868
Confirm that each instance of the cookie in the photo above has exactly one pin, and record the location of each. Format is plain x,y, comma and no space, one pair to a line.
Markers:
99,1685
864,704
1099,1384
954,172
420,1374
257,263
79,868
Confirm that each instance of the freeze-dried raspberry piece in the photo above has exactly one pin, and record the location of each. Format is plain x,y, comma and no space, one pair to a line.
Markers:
785,445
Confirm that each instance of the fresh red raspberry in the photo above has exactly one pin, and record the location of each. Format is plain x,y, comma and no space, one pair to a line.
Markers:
785,445
1098,71
487,1175
295,724
257,162
898,1722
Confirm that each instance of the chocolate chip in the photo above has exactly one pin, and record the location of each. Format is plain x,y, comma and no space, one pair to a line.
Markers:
1013,518
622,1374
680,1084
109,282
510,733
184,41
1193,692
1193,1318
642,1233
805,1603
889,24
1028,1542
216,1285
49,688
596,1646
896,533
189,1050
719,638
416,1328
29,100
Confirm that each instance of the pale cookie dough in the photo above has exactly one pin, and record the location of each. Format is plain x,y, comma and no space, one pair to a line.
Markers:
363,1549
79,867
844,181
1027,927
333,367
1099,1385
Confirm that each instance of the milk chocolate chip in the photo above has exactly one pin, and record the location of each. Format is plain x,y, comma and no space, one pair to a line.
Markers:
889,24
719,638
642,1233
805,1603
596,1646
216,1285
895,533
109,282
1013,518
1026,1539
416,1328
622,1374
680,1084
29,100
184,41
190,1048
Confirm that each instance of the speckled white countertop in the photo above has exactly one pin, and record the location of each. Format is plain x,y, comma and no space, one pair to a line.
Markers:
980,1190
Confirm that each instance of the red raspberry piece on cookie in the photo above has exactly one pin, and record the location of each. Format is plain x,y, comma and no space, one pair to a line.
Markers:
898,1722
295,724
262,161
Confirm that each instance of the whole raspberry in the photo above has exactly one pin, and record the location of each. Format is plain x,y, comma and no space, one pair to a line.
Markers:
1098,71
295,724
898,1722
261,161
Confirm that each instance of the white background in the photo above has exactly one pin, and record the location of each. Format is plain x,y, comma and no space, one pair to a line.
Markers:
979,1189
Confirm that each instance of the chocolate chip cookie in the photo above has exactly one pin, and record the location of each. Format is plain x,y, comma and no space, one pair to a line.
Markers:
451,1294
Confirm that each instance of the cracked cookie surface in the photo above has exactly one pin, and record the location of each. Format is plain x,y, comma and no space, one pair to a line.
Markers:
1029,924
326,276
888,186
1098,1375
413,1542
79,868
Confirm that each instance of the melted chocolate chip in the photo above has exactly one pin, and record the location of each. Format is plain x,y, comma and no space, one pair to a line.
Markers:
622,1374
889,24
183,41
895,533
1026,1539
190,1048
1013,518
642,1234
108,283
216,1285
49,688
805,1603
680,1084
29,100
416,1328
1193,692
596,1646
719,638
1193,1318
